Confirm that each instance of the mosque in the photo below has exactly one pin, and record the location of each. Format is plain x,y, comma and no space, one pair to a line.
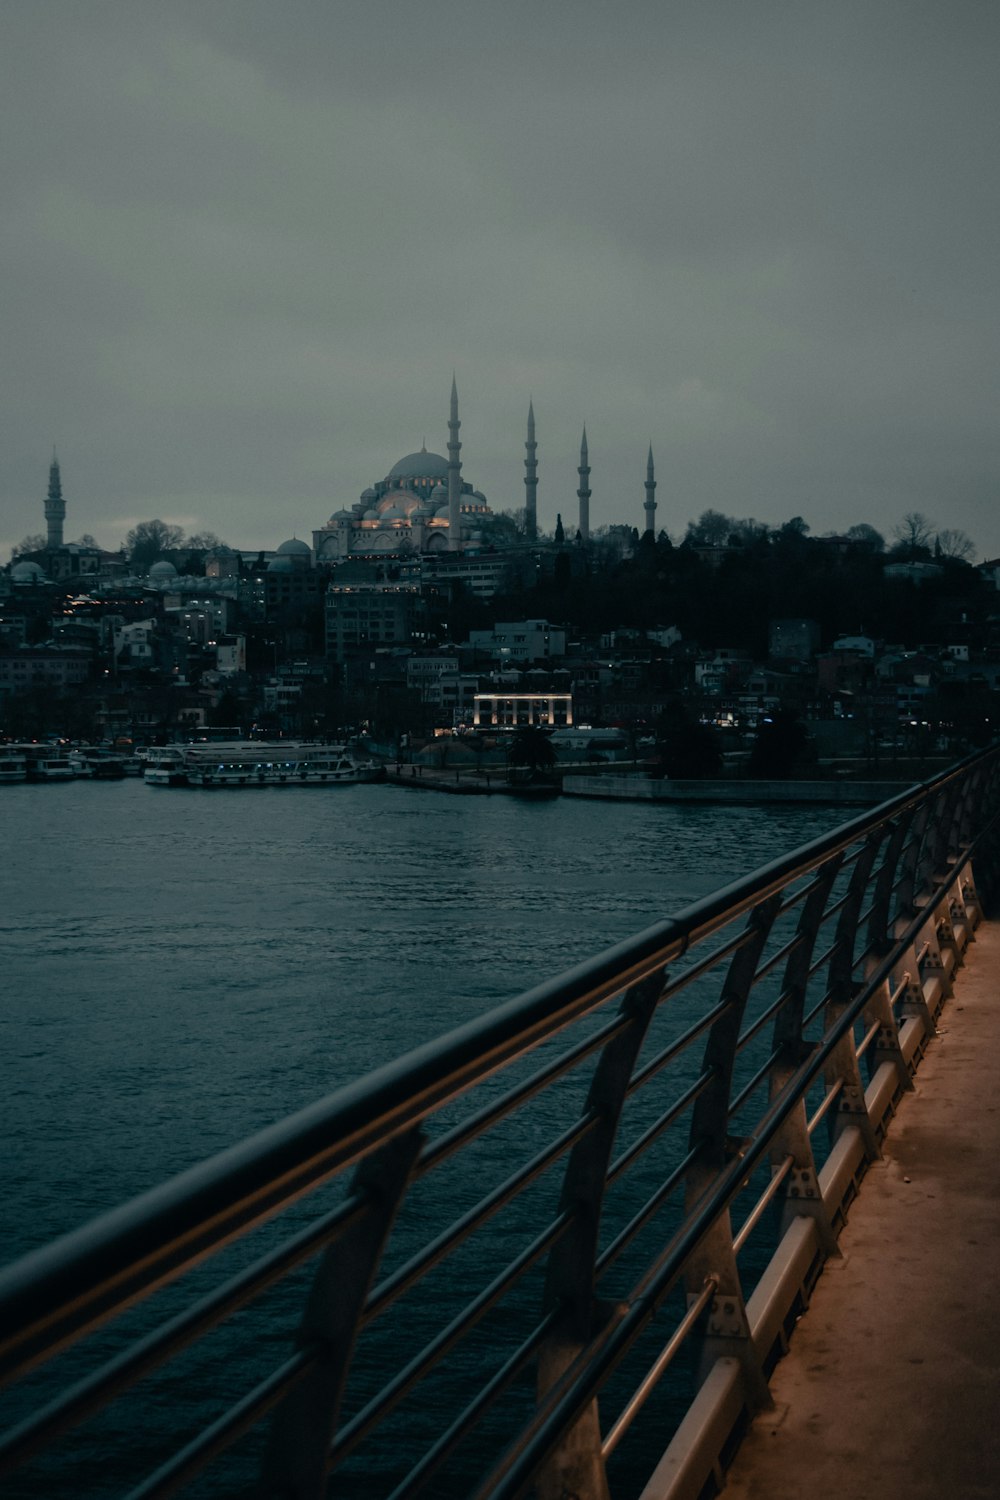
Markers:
423,504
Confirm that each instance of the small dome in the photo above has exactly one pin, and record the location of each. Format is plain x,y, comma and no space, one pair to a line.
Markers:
370,515
281,565
27,572
422,465
163,571
442,510
341,515
369,494
393,513
439,493
295,548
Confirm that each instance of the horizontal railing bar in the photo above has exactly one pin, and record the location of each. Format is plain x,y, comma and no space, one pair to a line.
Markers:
762,1019
821,962
676,1047
649,1209
755,1215
54,1294
783,953
437,1249
652,1132
422,1473
151,1351
832,1094
811,1015
868,1038
758,1078
681,979
405,1379
657,1369
439,1150
222,1433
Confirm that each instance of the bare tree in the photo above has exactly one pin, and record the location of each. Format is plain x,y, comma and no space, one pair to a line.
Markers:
914,534
957,545
36,542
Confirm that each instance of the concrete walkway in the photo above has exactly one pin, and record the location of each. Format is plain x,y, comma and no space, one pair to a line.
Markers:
892,1385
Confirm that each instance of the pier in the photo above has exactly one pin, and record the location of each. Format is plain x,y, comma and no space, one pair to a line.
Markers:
592,1241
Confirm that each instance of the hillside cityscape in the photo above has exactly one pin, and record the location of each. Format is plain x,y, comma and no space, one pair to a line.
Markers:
423,613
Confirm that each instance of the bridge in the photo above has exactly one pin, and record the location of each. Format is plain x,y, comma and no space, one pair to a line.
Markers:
564,1250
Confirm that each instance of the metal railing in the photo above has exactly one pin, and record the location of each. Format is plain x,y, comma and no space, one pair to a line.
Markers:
504,1262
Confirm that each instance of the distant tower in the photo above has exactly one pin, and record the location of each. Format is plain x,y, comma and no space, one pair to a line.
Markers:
55,506
649,504
583,493
531,480
454,474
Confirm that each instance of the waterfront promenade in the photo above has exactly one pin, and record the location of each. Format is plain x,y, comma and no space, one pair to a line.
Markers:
892,1383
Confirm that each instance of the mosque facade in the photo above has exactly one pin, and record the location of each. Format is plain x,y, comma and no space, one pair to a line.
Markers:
423,505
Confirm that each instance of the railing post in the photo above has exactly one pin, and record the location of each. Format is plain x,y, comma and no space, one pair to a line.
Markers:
576,1467
294,1466
801,1196
724,1330
842,1067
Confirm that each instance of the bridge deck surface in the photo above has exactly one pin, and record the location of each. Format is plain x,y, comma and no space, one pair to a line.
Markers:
892,1385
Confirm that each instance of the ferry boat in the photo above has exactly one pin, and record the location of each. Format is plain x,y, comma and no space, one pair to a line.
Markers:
13,763
101,764
46,763
165,767
286,763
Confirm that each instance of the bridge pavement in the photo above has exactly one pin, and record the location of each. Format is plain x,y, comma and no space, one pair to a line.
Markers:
892,1385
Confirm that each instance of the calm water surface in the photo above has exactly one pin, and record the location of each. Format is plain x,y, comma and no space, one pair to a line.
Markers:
181,967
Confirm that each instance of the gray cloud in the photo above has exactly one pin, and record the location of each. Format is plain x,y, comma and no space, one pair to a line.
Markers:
244,246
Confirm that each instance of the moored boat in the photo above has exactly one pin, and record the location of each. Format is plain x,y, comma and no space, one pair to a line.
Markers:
165,767
286,763
13,764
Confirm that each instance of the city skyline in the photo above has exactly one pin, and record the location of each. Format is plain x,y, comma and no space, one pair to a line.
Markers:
246,249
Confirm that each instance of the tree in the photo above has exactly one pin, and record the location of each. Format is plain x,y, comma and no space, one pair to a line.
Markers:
686,749
914,534
85,541
712,529
956,545
203,541
531,755
779,746
866,536
149,541
36,542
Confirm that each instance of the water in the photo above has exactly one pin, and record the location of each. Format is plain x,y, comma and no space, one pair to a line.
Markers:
184,967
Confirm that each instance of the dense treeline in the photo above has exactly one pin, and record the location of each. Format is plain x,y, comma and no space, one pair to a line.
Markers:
728,599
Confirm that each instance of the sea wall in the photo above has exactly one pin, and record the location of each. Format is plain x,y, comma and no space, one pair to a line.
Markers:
642,788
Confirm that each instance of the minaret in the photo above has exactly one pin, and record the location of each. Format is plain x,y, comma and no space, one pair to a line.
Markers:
530,480
649,504
55,506
583,493
454,474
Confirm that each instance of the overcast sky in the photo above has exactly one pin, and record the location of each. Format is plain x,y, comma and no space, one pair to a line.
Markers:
245,244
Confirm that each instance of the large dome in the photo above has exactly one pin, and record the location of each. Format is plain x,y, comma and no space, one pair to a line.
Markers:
422,465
